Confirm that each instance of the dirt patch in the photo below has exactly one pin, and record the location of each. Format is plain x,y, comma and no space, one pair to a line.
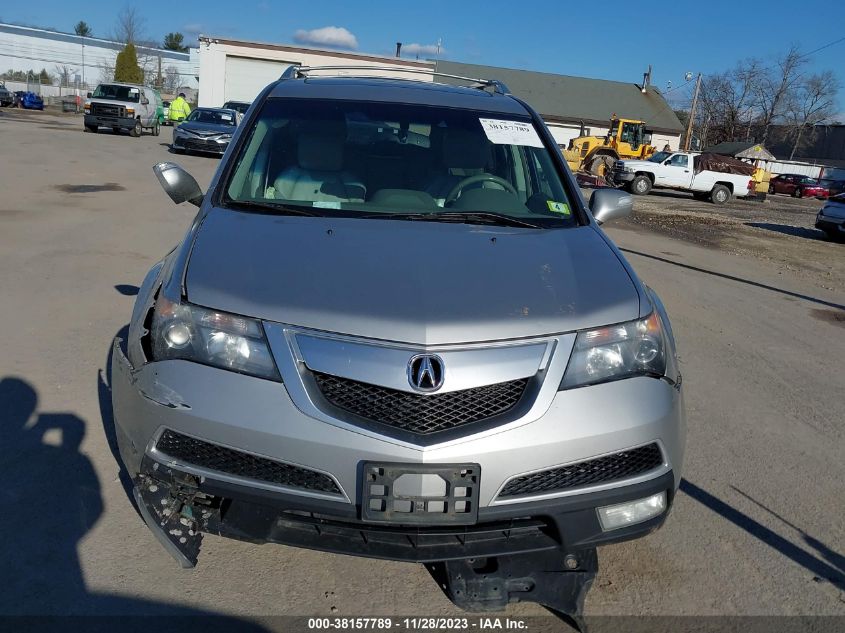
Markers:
109,186
837,317
704,231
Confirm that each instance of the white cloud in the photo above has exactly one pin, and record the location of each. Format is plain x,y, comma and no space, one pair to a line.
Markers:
422,49
332,36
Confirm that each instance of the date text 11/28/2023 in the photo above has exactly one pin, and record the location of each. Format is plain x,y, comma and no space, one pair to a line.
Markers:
417,624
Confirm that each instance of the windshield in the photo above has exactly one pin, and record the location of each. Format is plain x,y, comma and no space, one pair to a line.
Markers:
118,93
212,116
809,181
372,159
659,157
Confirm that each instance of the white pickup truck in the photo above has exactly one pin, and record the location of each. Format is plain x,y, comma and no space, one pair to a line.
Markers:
676,170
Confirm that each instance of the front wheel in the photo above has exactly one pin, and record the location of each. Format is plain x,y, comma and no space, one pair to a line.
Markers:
640,185
720,194
91,128
137,129
156,129
771,190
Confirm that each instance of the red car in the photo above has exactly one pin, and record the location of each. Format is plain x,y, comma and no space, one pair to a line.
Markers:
798,186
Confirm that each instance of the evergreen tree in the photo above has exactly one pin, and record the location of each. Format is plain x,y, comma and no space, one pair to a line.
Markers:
126,67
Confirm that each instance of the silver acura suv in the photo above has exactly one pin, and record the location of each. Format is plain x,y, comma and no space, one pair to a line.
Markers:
395,329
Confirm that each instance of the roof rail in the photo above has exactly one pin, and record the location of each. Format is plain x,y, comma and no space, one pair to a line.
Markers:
295,71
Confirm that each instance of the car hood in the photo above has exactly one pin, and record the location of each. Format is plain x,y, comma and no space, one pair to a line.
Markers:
206,129
418,282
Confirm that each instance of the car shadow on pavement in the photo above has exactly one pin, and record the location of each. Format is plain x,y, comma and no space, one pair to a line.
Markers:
794,231
51,498
830,569
756,284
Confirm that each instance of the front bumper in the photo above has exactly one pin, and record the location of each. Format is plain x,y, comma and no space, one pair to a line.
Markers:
197,144
623,176
263,421
109,121
216,506
831,225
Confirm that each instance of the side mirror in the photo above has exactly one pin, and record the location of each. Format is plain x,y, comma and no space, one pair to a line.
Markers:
178,184
610,204
90,94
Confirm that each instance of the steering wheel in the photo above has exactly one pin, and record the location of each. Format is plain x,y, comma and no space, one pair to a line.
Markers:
471,180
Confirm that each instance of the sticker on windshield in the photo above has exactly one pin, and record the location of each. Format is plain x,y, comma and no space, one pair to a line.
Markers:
503,132
226,117
326,204
558,207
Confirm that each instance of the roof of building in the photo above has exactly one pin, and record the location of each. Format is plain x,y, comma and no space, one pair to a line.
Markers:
71,38
570,99
328,52
741,149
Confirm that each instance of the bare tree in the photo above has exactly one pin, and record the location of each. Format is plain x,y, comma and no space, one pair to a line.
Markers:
812,102
65,75
728,101
130,26
106,71
172,79
774,87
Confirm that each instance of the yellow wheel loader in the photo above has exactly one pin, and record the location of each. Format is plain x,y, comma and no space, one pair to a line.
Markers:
596,155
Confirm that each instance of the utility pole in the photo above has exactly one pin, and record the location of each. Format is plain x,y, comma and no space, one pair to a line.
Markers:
83,62
692,113
159,82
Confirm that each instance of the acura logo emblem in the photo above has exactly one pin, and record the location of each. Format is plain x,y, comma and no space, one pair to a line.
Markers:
425,372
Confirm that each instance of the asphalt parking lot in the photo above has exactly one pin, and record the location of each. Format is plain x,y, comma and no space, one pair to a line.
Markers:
757,299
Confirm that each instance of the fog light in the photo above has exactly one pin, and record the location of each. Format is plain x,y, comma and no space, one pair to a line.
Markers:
622,514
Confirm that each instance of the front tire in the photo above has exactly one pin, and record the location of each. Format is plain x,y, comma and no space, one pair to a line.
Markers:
640,185
720,194
91,128
137,129
156,129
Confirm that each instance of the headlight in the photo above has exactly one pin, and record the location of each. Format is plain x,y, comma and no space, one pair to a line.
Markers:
130,111
636,348
188,332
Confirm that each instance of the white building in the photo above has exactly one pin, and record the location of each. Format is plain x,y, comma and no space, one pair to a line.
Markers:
85,60
238,70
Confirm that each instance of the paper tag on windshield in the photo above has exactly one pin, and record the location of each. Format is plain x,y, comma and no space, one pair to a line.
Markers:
503,132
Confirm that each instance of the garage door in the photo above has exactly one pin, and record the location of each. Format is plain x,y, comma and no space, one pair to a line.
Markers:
245,77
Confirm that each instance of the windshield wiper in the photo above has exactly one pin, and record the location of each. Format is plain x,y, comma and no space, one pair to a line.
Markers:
272,207
471,217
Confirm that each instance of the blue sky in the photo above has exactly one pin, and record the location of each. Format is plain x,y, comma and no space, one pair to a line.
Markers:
561,37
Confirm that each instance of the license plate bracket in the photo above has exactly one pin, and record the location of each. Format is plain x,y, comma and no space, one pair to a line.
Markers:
427,494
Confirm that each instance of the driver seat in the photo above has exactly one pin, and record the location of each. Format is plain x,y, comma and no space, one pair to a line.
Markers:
463,154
